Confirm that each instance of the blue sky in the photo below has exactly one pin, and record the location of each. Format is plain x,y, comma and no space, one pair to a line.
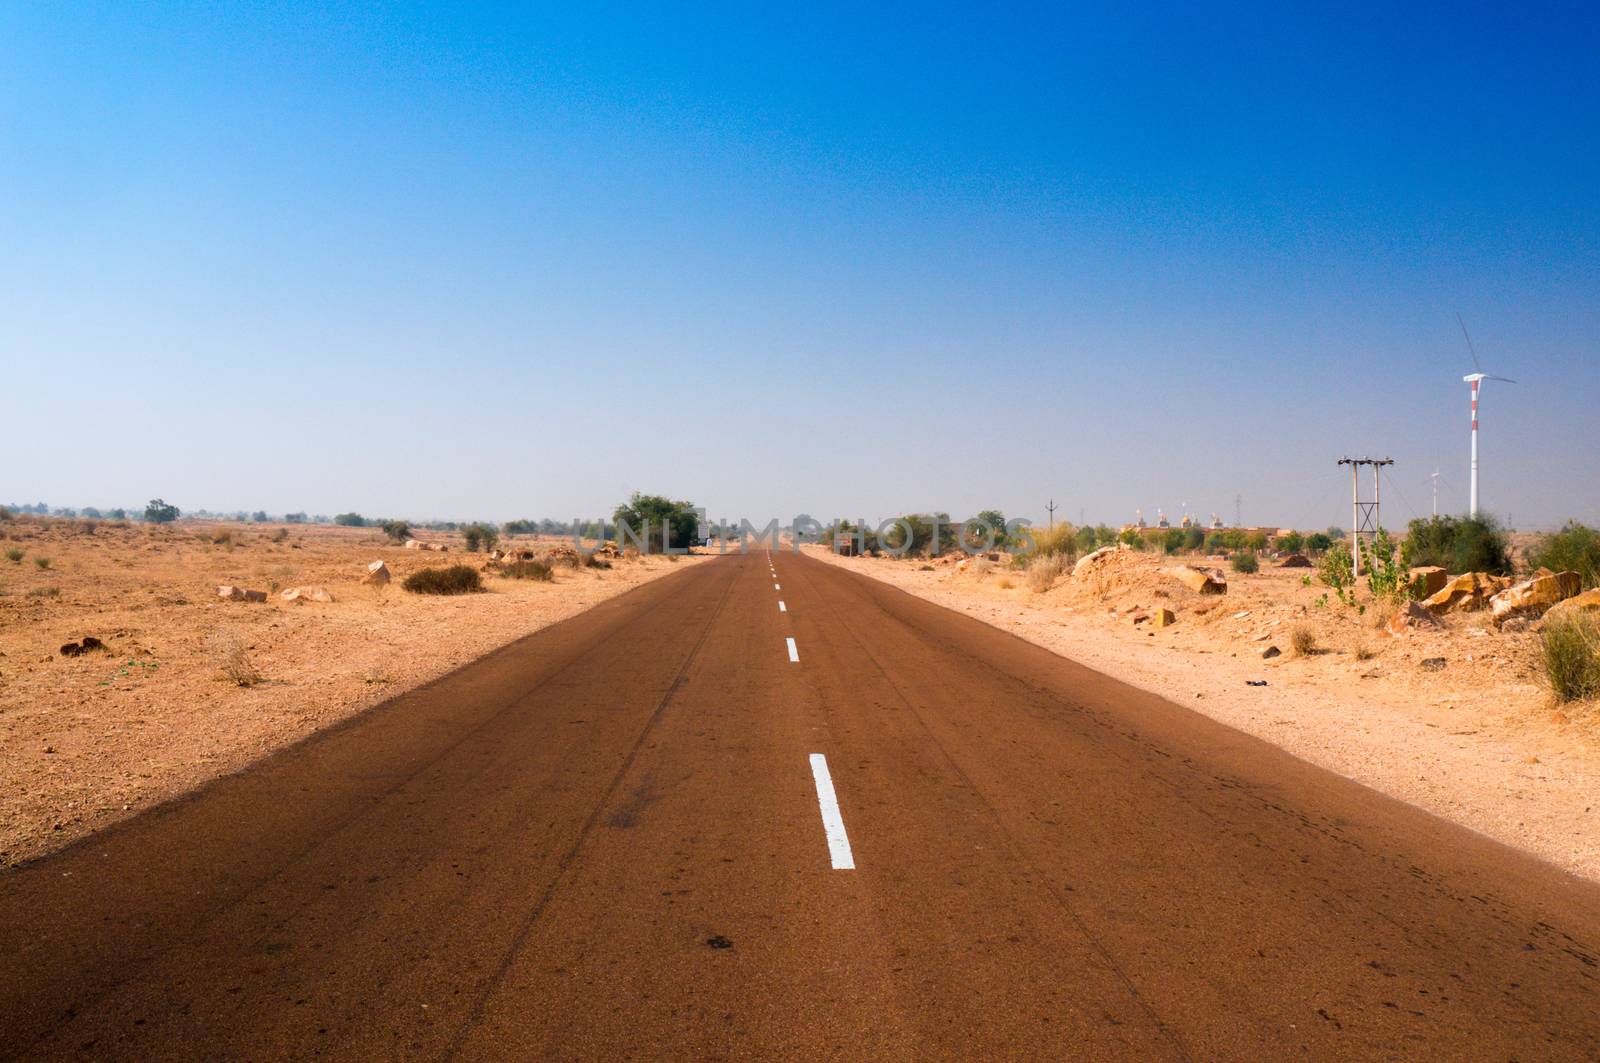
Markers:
487,263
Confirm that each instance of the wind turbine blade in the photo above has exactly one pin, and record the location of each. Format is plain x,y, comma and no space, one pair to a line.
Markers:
1504,379
1475,363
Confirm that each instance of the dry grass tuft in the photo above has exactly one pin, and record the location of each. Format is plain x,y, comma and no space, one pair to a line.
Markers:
1569,650
1043,572
1303,639
232,660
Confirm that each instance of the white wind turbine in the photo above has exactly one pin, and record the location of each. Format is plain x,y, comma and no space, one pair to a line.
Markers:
1475,379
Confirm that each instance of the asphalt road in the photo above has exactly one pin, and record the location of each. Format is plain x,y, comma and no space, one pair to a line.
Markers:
616,839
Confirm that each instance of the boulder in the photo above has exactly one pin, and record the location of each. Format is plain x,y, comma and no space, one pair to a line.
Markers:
1534,596
1200,580
1465,593
1163,618
1295,561
1270,652
413,544
230,594
1426,581
377,573
1586,603
301,595
1412,618
255,596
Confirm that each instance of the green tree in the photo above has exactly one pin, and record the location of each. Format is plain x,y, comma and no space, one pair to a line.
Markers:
1291,542
1459,544
1575,548
158,511
655,513
350,520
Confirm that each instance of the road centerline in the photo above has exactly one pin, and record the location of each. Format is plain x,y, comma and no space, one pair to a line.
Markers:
832,822
794,652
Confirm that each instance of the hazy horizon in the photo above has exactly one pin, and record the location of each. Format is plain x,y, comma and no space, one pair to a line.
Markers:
459,265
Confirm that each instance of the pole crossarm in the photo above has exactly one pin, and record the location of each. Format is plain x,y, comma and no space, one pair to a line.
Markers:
1365,519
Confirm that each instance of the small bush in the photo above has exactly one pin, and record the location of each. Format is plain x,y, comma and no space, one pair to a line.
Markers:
1334,570
14,555
480,537
1570,653
1459,544
1303,640
280,535
89,527
397,530
42,562
457,579
1245,561
1575,548
5,514
45,592
222,537
1060,541
534,570
1044,571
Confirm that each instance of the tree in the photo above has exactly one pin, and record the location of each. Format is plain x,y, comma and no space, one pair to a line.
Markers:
397,530
1318,542
350,520
294,518
1291,542
480,536
660,517
259,516
158,511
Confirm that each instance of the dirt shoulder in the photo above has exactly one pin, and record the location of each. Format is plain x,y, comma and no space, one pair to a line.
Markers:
1476,741
88,740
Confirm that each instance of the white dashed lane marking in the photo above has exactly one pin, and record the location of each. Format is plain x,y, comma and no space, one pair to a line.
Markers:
794,654
832,821
781,607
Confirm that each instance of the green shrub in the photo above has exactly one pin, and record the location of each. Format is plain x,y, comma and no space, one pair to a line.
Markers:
1245,561
1334,569
1459,544
42,562
457,579
158,511
1570,653
1291,542
1320,542
895,537
1575,548
397,530
14,555
1387,577
539,571
350,520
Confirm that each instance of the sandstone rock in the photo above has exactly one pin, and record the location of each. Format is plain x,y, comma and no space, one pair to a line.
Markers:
255,596
231,594
1200,580
1163,618
1426,581
1295,561
377,573
1577,605
1433,664
1465,593
413,544
301,595
1534,596
1412,618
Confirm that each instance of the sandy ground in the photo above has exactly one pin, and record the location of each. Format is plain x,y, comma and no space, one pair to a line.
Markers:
1479,742
88,740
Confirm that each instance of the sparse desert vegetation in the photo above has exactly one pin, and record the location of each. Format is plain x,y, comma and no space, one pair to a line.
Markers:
456,579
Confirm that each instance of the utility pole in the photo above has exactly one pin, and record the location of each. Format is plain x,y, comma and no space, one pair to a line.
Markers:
1364,516
1052,510
1435,493
1238,509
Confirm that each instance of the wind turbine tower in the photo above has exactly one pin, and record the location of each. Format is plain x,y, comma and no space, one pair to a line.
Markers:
1475,379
